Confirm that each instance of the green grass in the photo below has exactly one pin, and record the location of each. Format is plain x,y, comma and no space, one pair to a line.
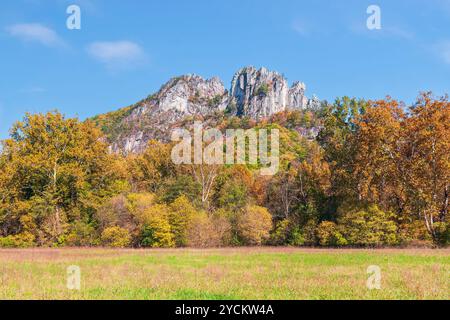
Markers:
246,273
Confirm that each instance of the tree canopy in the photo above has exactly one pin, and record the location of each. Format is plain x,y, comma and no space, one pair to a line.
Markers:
377,174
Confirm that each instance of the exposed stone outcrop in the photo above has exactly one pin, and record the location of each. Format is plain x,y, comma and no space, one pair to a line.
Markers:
262,93
154,117
255,93
313,103
191,95
297,98
258,93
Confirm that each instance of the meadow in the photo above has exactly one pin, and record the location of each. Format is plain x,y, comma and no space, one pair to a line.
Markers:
236,273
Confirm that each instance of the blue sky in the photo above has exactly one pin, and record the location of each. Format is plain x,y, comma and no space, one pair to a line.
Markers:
126,50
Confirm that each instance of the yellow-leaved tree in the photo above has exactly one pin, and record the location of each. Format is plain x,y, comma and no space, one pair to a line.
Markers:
54,170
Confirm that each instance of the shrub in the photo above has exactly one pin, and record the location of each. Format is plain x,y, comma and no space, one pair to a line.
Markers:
124,212
156,231
414,233
328,234
81,235
280,234
263,90
254,225
442,231
201,233
21,240
368,226
116,211
209,230
287,232
309,232
296,237
221,220
115,237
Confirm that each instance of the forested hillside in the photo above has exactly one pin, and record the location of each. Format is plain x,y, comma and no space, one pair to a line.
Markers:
352,173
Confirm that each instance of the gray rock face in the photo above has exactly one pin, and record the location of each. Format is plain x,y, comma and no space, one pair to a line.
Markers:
262,93
254,93
258,93
154,117
191,95
313,103
297,98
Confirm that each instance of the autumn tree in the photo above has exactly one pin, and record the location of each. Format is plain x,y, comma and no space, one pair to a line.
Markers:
205,231
335,138
400,160
377,174
181,217
156,230
55,169
205,175
254,225
377,167
152,167
427,161
233,188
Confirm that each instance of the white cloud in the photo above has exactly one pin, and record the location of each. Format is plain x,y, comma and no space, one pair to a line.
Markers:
35,32
117,54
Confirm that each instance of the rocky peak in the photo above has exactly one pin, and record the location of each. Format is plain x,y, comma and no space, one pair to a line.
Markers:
261,93
258,93
314,103
191,94
297,98
153,118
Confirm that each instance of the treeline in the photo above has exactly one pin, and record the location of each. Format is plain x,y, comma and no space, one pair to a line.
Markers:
378,174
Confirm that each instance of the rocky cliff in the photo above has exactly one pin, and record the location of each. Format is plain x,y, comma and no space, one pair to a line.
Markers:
262,93
254,93
131,128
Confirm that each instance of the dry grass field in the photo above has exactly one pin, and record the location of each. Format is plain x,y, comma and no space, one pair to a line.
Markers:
241,273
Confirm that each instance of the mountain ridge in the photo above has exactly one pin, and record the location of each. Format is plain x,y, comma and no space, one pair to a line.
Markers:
254,93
